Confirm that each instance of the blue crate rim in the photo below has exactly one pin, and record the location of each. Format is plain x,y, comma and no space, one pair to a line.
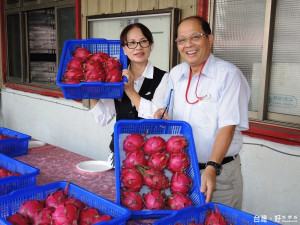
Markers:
28,193
182,214
27,176
34,171
4,130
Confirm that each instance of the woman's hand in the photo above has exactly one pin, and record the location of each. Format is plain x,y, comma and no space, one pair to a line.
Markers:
134,97
94,102
129,84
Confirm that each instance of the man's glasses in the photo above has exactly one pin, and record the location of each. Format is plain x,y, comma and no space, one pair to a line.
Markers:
195,38
133,44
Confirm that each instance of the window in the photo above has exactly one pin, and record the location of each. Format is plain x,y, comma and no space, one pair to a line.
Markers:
261,37
35,39
12,3
14,46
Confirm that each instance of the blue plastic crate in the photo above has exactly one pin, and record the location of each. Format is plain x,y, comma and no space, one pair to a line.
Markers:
197,214
27,178
14,146
91,90
9,204
163,128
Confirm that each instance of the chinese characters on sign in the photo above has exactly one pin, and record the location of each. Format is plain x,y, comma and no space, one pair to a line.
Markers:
283,101
276,218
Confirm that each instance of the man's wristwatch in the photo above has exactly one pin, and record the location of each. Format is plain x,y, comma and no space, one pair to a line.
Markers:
217,166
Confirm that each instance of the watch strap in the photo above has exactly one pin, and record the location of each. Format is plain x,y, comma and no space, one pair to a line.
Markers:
217,166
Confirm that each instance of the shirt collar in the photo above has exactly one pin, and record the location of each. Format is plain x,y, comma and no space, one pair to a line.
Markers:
148,72
208,69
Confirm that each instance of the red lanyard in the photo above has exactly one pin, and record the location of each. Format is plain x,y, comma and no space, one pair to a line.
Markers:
188,87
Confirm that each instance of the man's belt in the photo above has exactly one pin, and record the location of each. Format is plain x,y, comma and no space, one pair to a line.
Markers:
225,160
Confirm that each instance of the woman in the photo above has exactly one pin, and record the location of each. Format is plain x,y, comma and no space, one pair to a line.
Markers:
144,91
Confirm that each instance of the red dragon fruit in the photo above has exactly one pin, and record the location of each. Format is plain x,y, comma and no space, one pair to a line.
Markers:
4,172
133,142
131,179
155,200
131,200
18,219
55,199
113,76
193,223
82,53
153,145
178,201
79,204
154,179
58,197
178,162
88,216
176,144
134,158
44,216
74,75
65,214
14,174
214,218
5,136
30,208
111,64
70,82
76,63
181,182
102,218
95,75
100,56
92,64
158,161
112,69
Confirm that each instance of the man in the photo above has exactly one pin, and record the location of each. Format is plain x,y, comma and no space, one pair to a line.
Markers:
212,95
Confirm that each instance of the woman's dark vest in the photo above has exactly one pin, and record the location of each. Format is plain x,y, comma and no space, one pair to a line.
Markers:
124,108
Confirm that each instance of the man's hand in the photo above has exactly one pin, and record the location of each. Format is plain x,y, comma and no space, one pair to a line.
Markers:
220,148
208,182
160,112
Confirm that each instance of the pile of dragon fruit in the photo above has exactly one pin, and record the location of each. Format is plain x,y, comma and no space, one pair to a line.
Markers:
213,217
85,66
154,174
7,173
57,209
5,136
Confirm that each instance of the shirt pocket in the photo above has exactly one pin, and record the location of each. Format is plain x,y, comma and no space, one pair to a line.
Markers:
205,114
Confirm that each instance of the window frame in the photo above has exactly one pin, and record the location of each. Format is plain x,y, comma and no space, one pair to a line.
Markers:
12,5
263,124
24,83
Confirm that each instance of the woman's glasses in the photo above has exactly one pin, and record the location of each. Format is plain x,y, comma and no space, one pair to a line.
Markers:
133,44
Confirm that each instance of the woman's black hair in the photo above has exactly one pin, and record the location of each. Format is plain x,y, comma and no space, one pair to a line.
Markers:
146,32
